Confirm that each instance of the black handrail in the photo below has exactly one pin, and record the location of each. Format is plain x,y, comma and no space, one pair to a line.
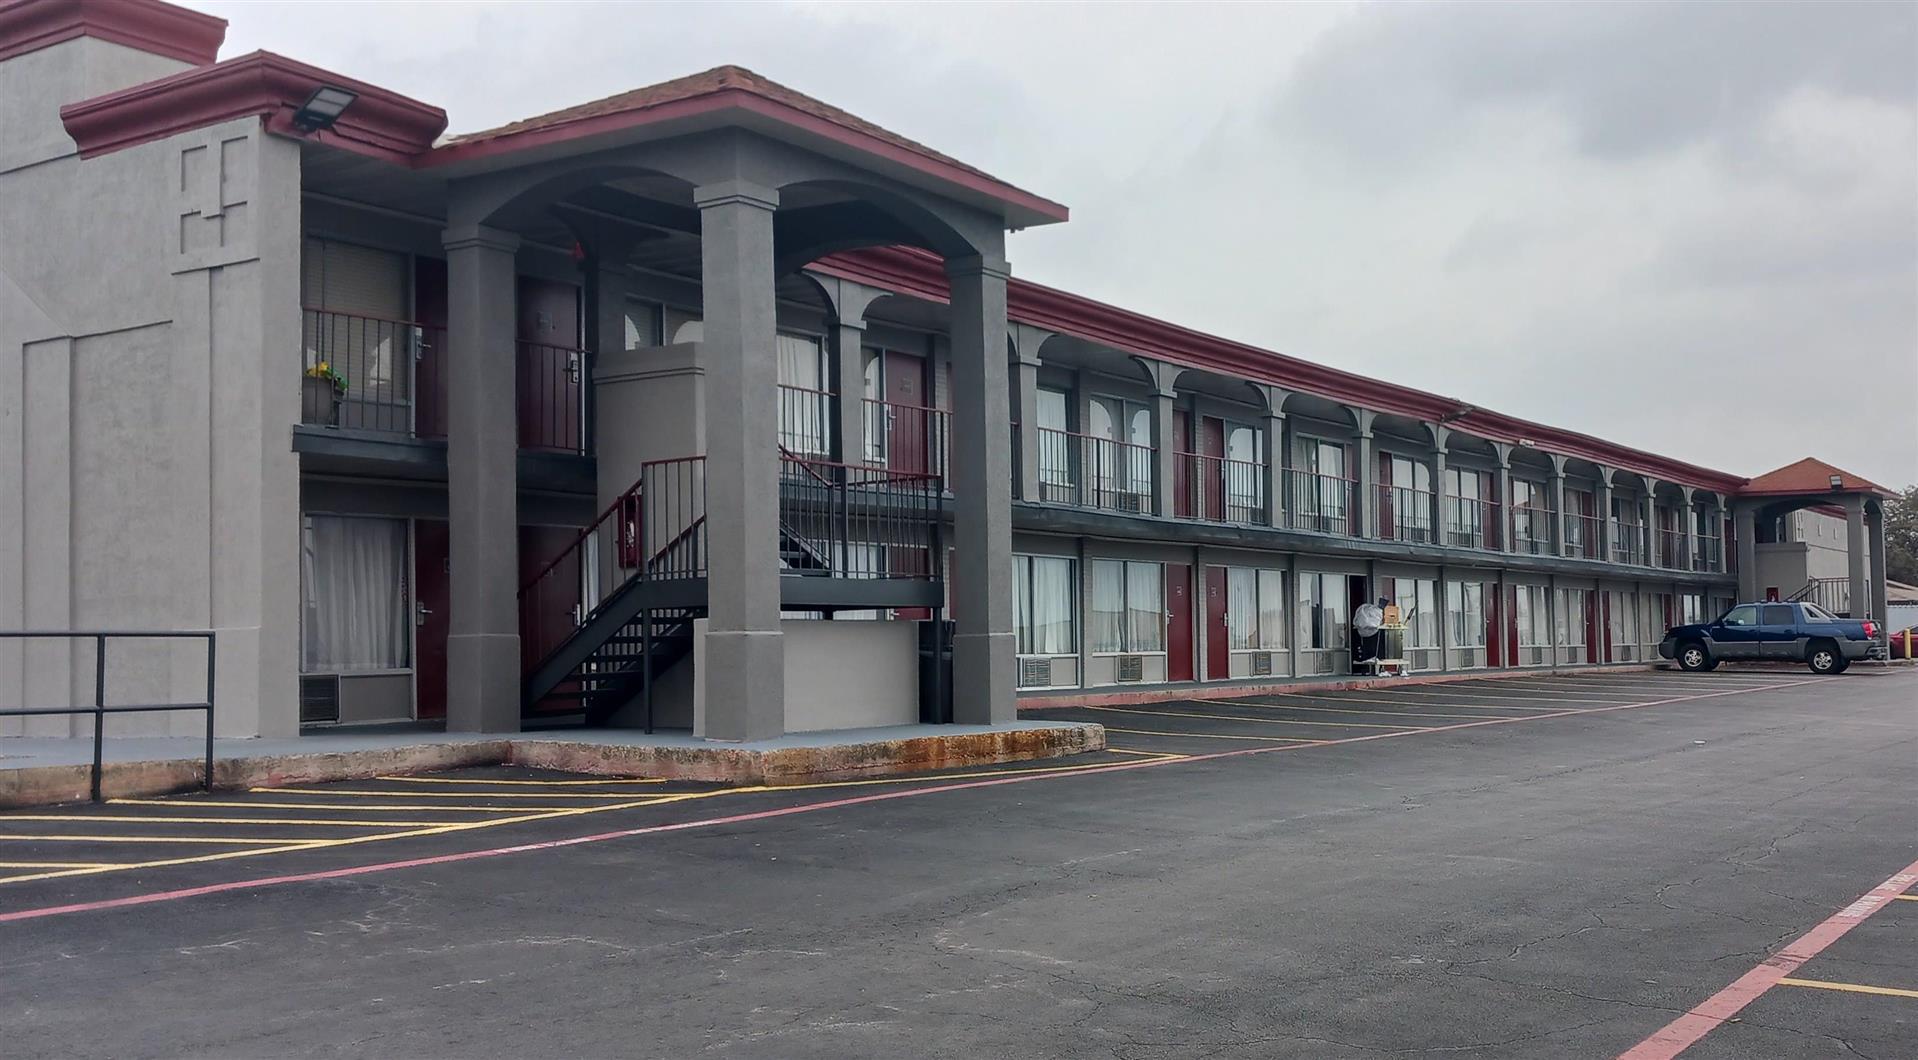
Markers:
99,709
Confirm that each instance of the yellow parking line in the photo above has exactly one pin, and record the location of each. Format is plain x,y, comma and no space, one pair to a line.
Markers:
1851,988
1906,897
1250,721
364,807
529,783
56,864
331,822
441,794
219,840
1213,736
1362,710
1146,754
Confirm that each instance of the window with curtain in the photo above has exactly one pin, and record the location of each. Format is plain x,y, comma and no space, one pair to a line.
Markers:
1255,609
805,409
1411,497
1532,609
1571,617
1418,609
1055,451
358,302
1128,606
1244,472
1465,606
1324,612
353,586
1043,594
1120,426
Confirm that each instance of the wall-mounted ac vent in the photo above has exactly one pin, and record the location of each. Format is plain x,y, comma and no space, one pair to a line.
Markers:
1261,664
319,698
1131,667
1035,673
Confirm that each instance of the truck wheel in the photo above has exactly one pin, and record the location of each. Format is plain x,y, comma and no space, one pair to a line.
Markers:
1692,657
1843,665
1822,657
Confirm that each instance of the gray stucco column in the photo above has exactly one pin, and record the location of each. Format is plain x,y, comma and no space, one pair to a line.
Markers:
1558,513
1716,526
1856,561
1647,517
1163,378
1602,497
744,658
1368,473
1026,341
1880,592
983,652
1438,489
849,391
482,452
1503,484
1687,521
1745,523
1272,451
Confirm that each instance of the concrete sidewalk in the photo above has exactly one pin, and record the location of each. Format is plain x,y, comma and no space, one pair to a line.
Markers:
40,771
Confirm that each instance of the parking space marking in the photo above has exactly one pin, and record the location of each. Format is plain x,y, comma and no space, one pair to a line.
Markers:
964,784
352,793
1854,988
56,864
212,840
1708,1015
363,807
329,822
1361,710
1148,754
524,783
1906,897
1532,699
1211,736
1253,721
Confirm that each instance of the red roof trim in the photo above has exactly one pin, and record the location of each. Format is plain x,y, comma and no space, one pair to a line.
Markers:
380,123
148,25
741,99
1810,477
920,274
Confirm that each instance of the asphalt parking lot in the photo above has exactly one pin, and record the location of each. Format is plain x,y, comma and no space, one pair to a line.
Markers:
1650,864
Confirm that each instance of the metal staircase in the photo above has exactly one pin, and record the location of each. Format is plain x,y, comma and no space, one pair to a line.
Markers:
1832,594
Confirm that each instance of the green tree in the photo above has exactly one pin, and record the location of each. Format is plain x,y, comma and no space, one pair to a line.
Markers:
1901,537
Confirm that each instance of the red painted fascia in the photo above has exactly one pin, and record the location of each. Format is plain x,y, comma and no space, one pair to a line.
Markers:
740,99
919,273
146,25
380,123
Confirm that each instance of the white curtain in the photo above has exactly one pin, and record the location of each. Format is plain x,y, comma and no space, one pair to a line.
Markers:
1242,607
1271,610
356,600
1051,619
1108,605
1145,594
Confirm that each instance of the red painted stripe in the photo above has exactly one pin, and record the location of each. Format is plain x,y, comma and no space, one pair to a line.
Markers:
1683,1032
810,807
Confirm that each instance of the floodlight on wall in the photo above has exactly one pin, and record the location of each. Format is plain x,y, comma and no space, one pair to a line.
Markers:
1837,482
323,108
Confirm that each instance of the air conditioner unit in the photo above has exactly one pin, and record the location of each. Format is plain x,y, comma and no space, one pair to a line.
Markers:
1131,668
1261,664
319,698
1035,673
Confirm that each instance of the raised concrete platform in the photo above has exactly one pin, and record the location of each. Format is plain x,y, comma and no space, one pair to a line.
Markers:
39,772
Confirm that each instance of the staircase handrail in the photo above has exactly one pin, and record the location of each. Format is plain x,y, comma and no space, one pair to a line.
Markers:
619,503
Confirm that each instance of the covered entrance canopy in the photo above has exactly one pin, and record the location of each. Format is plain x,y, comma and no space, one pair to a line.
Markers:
1808,483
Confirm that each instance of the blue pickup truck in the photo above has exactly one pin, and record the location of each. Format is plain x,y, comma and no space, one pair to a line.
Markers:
1798,632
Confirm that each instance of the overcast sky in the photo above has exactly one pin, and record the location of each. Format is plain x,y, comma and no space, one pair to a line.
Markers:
1690,228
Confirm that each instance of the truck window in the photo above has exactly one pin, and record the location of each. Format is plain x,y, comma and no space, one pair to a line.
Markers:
1742,616
1777,615
1818,614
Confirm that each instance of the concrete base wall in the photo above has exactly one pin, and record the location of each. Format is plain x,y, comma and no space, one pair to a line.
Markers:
839,675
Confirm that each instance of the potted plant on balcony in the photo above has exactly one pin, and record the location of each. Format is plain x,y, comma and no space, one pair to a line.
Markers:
320,394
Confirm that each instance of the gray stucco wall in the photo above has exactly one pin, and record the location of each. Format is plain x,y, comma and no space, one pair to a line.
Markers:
149,355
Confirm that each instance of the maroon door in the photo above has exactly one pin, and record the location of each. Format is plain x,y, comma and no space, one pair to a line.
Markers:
1494,623
429,380
549,615
1212,471
433,606
1178,621
1218,642
1494,509
549,364
1182,464
909,423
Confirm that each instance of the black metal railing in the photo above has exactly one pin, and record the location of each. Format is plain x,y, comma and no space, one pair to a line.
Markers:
853,521
1404,514
371,374
1218,489
549,397
1531,529
910,438
806,420
100,709
1321,503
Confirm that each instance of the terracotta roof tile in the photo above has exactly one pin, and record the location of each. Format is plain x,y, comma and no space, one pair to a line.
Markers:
1809,475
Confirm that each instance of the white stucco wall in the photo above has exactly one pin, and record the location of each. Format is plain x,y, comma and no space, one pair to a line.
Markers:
149,355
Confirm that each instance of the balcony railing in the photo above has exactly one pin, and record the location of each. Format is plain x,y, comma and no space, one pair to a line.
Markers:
389,369
1094,472
806,421
1582,536
852,521
1323,504
1404,514
550,397
1669,548
910,438
1470,522
1532,530
1628,544
1220,490
1706,554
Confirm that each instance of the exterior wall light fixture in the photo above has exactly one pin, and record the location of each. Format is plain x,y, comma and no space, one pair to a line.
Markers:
323,108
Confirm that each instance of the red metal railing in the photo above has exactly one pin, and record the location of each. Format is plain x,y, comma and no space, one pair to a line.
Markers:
550,397
1325,504
390,371
1404,514
909,438
1094,472
1221,490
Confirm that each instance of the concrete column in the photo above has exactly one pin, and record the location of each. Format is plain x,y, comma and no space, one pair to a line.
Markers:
744,655
1438,493
1273,454
850,420
1602,499
1558,507
1857,562
1716,526
1368,473
1442,597
1647,512
1025,392
1880,592
1687,523
1745,519
482,451
983,653
1165,457
1502,480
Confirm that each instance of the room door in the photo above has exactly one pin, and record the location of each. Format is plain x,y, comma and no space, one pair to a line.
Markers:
429,379
1211,471
1178,622
432,606
554,612
910,426
1218,642
549,365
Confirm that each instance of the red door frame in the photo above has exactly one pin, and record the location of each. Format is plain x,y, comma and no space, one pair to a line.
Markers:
1218,643
432,599
1178,634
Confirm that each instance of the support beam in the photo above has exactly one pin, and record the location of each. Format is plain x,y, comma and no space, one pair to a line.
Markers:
1857,562
847,302
482,450
1273,451
1687,520
984,653
1163,379
1745,520
744,660
1602,495
1880,591
1503,487
1026,343
1558,511
1368,473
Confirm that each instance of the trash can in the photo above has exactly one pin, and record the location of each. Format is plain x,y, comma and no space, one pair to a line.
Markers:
935,677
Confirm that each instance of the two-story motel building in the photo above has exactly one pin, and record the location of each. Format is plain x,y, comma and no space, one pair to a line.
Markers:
619,414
